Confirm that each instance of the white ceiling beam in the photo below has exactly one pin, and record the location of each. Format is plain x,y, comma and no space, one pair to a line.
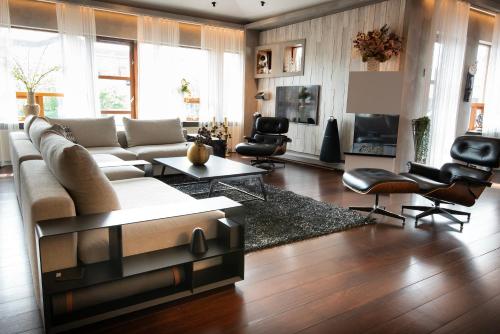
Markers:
308,13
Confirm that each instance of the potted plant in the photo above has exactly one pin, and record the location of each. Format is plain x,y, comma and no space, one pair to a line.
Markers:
219,131
31,81
185,90
377,46
421,127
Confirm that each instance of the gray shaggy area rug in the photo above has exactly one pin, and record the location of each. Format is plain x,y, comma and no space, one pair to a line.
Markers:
286,217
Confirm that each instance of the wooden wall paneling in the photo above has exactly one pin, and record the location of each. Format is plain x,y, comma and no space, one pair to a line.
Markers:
329,57
350,62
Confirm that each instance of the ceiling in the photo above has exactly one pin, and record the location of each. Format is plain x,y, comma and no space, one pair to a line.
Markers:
237,11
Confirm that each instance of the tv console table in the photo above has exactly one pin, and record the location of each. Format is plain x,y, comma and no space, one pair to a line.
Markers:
227,248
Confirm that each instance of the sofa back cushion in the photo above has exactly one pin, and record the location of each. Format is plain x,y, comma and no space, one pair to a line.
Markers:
153,132
76,170
28,120
36,129
91,132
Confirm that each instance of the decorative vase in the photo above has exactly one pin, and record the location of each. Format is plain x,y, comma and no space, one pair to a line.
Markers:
373,65
31,108
198,154
198,242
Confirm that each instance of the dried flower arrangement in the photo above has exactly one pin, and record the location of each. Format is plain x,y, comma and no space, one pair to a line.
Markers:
378,44
218,130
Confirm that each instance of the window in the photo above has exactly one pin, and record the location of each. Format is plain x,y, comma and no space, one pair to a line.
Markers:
115,68
162,70
190,67
436,56
478,90
35,52
482,58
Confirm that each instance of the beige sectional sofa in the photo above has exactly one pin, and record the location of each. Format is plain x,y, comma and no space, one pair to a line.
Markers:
141,140
57,178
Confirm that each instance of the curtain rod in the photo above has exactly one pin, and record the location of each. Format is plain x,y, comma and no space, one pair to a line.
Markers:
136,11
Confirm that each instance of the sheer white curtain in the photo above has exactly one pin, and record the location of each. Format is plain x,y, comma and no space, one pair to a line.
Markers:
222,96
8,111
158,95
491,121
449,25
76,26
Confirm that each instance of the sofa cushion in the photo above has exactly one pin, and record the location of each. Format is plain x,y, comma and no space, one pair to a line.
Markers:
150,152
37,128
18,135
20,151
91,132
118,152
89,188
28,120
117,172
153,132
78,172
158,234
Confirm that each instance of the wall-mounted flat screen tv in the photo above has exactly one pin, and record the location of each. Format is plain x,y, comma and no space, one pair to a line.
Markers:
375,134
298,103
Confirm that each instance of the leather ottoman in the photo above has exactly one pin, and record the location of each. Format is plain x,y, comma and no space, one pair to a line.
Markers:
378,181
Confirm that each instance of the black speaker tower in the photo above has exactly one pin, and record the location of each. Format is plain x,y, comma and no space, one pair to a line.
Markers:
330,149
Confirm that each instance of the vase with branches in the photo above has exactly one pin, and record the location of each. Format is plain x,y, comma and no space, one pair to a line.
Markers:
32,79
378,45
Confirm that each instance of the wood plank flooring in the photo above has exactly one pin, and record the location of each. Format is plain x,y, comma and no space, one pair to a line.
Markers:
378,278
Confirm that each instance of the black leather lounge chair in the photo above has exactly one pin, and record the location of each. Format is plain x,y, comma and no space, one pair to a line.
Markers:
267,140
456,183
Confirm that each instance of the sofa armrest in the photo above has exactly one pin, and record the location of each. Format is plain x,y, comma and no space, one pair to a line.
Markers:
423,170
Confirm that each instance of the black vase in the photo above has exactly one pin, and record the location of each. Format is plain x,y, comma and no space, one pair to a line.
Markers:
198,242
330,149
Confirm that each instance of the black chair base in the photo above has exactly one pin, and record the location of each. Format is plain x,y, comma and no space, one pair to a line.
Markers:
267,163
376,209
437,210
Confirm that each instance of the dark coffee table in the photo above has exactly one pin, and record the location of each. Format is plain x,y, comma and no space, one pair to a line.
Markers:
215,170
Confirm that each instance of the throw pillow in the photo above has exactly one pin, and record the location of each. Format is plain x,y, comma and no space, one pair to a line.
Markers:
28,120
63,131
153,132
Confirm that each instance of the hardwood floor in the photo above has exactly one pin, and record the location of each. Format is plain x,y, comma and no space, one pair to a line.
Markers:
378,278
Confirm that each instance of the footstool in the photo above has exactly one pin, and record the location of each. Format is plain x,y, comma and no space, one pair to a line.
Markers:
378,181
